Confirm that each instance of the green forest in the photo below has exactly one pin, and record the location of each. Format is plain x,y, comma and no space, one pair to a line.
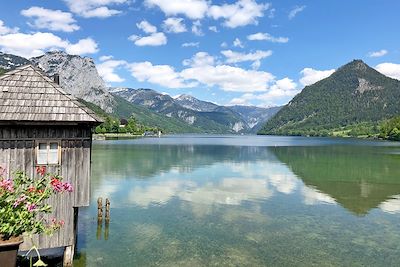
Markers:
385,129
131,125
390,129
117,124
355,101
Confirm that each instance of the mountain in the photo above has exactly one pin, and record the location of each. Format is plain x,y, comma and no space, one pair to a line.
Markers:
208,117
9,61
124,109
78,76
355,93
255,117
190,102
374,182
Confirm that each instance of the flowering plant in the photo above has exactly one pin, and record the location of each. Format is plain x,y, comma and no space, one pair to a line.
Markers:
23,203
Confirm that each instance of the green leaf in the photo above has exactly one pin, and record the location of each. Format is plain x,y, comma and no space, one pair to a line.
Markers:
40,263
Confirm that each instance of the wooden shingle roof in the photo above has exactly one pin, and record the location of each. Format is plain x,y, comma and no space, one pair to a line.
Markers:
28,95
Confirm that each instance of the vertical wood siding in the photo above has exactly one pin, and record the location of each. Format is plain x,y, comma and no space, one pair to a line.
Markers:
18,152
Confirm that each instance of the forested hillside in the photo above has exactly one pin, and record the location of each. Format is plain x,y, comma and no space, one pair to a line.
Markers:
353,95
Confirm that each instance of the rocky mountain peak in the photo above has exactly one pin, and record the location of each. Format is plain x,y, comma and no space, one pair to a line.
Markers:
9,61
356,65
78,76
185,97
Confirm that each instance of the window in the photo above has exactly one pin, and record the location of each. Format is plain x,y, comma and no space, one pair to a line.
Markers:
48,153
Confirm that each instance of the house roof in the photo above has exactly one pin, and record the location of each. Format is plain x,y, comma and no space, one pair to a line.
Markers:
28,95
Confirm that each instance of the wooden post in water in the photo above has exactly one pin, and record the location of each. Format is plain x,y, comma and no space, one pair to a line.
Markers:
100,209
99,218
107,224
107,210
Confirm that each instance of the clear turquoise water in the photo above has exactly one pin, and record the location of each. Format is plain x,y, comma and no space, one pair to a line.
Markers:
243,201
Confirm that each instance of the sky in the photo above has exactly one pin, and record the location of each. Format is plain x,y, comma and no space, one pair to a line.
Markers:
247,52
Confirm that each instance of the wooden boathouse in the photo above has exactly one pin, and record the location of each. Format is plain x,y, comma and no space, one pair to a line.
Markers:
41,125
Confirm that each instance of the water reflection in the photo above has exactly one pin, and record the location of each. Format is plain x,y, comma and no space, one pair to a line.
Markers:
391,205
360,179
202,205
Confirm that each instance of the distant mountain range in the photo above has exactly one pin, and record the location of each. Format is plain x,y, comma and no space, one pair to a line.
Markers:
79,77
206,116
354,94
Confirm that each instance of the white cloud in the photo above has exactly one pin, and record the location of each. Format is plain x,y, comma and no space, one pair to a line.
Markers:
94,8
280,92
241,13
256,65
54,20
6,30
196,28
174,25
283,182
267,37
295,11
391,205
271,13
154,39
230,191
243,99
147,27
391,70
83,46
163,75
158,193
213,28
311,76
199,59
107,70
31,45
202,68
379,53
105,58
313,196
235,57
282,88
224,45
229,78
238,43
192,44
193,9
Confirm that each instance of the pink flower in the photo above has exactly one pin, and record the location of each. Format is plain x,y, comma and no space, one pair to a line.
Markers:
56,224
21,199
57,185
31,189
31,207
68,187
7,184
41,170
3,171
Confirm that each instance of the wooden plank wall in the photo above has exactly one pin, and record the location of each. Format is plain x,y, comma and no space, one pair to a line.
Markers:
18,152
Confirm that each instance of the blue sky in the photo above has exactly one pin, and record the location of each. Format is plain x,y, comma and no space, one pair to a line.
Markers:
228,52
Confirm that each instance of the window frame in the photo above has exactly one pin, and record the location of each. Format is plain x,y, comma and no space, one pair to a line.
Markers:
48,142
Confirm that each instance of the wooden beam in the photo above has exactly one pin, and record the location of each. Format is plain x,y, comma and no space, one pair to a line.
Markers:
68,256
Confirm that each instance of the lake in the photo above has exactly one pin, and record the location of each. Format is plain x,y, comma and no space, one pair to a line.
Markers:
243,201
